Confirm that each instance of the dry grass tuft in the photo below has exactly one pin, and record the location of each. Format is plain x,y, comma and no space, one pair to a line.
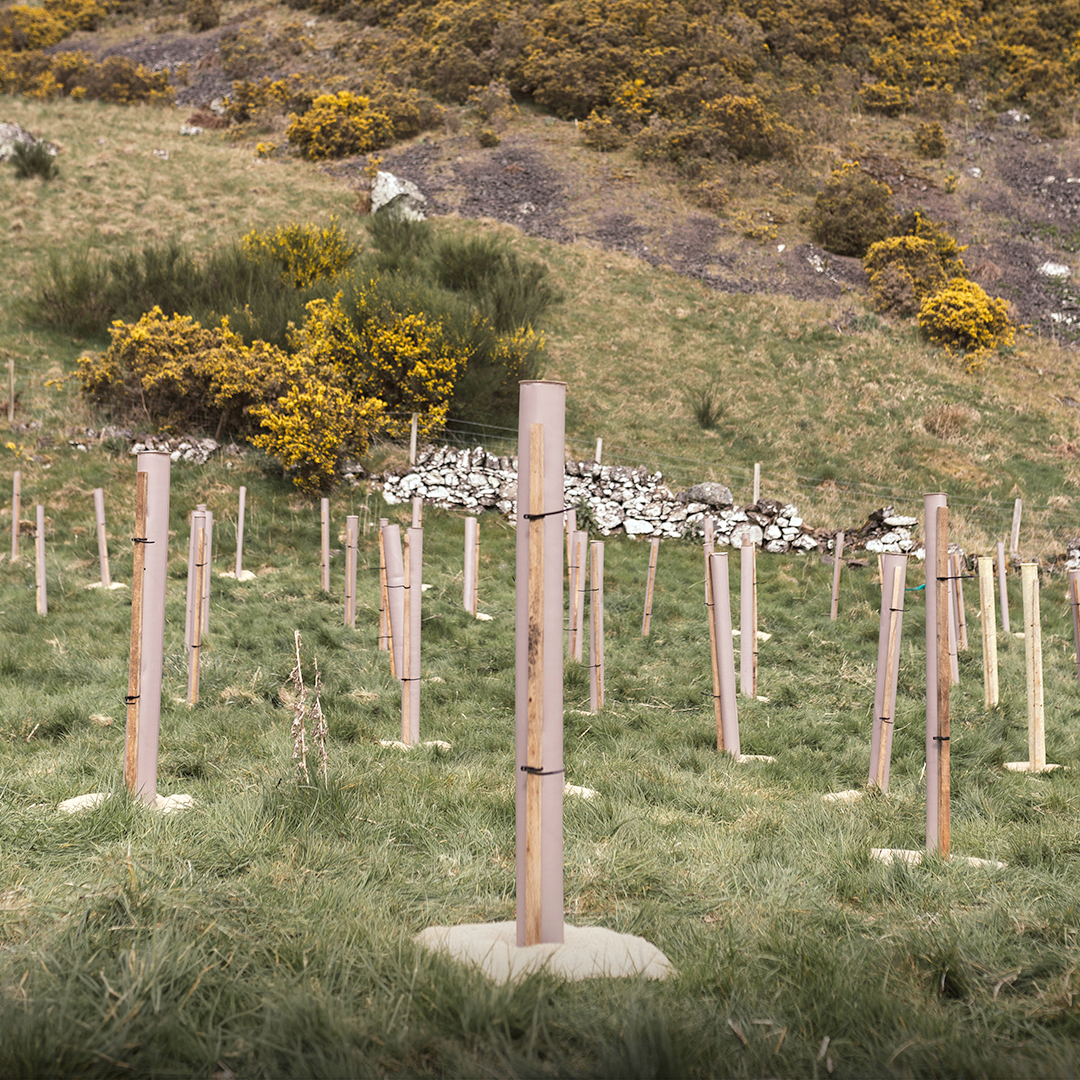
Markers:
949,422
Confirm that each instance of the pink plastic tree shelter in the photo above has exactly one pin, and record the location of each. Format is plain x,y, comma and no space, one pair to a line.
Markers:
1003,588
197,522
727,728
538,744
240,531
411,623
470,590
151,541
384,620
894,577
395,594
581,544
324,549
748,649
39,549
596,626
352,531
931,504
1074,604
16,513
102,542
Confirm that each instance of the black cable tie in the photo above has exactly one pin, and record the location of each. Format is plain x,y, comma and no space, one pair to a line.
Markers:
130,699
896,609
533,770
885,719
141,540
549,513
940,738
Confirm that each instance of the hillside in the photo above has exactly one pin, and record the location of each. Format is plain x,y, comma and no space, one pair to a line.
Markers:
847,409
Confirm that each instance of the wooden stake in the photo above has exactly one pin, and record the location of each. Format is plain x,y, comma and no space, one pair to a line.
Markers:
324,558
1014,539
1002,587
39,550
196,629
838,554
988,621
1029,576
888,704
131,751
535,706
944,670
16,513
650,582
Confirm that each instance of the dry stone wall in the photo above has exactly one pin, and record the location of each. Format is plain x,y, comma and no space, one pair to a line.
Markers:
636,502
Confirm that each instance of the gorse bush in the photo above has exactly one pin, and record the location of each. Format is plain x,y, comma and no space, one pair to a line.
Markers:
903,270
930,140
853,212
74,74
203,14
305,253
26,28
338,125
883,98
962,318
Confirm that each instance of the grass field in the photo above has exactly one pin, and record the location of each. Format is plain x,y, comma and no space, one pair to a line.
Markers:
269,932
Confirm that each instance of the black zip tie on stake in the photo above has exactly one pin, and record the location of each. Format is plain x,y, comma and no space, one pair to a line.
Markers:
534,770
141,540
940,738
130,699
548,513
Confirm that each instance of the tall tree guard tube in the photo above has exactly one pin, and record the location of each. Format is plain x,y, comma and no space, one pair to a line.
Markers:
410,680
727,727
894,575
538,750
395,593
931,504
102,542
151,542
470,592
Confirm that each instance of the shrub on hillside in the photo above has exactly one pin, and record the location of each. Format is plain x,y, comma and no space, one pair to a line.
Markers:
930,140
600,133
852,213
26,28
203,14
78,76
338,125
962,318
883,98
903,270
305,253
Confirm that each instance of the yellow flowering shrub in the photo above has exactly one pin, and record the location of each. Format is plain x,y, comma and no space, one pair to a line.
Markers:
247,98
305,253
884,98
24,28
77,75
338,125
600,133
962,318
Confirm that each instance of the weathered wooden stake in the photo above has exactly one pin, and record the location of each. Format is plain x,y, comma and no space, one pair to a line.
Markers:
195,651
147,623
39,551
580,577
1003,587
412,439
324,558
727,728
410,682
1029,577
838,554
894,574
16,513
650,582
470,590
931,504
240,532
944,668
748,645
538,747
1014,538
352,529
988,621
596,625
